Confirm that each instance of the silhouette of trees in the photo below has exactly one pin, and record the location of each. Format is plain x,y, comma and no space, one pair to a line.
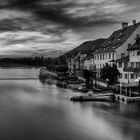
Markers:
110,73
30,61
87,75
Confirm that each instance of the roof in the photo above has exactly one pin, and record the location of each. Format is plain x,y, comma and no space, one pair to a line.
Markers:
124,59
117,38
136,46
89,56
77,56
112,60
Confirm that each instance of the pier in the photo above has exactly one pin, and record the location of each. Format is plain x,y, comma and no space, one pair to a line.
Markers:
126,93
125,98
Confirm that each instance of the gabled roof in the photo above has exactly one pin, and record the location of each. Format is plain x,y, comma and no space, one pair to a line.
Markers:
124,59
89,56
136,46
77,56
117,38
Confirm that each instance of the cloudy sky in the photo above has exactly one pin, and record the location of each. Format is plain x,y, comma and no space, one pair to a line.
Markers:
30,27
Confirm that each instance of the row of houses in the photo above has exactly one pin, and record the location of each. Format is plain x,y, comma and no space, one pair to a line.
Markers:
121,48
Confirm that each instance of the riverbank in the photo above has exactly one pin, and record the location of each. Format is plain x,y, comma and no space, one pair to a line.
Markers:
16,65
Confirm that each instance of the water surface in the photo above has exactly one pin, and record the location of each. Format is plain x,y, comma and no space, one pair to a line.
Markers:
30,110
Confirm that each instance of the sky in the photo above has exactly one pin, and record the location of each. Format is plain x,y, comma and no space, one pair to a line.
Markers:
52,27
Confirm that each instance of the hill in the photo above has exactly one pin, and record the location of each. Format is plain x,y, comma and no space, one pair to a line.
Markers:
86,47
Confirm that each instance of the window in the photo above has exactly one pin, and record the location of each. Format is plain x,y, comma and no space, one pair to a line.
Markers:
100,56
137,64
122,55
132,53
132,64
137,75
103,56
120,64
120,75
132,76
113,56
125,64
97,57
109,56
126,76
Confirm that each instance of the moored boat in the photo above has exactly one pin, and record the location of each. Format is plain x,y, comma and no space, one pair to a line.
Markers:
102,97
44,73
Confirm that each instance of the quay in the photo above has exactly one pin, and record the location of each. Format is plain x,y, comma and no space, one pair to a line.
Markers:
127,93
125,98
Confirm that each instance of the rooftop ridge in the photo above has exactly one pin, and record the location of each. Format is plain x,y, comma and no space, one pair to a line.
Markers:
117,38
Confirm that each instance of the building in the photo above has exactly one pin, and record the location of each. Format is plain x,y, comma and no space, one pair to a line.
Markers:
89,62
129,66
75,64
133,69
115,47
122,63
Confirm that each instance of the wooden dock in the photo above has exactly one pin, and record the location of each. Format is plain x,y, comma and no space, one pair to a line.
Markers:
128,99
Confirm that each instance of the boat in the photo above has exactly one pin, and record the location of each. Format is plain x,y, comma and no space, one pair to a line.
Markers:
101,97
78,87
44,73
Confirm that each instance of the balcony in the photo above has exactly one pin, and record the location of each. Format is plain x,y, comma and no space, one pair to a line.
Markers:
131,69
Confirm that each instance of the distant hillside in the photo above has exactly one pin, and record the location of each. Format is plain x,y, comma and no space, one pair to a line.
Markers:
86,47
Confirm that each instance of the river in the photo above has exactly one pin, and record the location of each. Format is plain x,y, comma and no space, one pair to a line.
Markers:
31,110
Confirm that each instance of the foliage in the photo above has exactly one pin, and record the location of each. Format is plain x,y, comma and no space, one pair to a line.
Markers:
87,75
110,73
62,69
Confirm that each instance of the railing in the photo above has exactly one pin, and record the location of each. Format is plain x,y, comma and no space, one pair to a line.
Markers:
130,69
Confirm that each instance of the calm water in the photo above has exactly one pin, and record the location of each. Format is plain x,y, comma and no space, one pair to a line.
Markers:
30,110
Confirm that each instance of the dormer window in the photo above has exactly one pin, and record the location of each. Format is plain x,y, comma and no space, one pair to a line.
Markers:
137,39
138,53
132,53
122,55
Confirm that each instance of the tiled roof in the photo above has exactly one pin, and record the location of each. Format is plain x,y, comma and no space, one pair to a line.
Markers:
117,38
124,59
90,56
77,56
136,46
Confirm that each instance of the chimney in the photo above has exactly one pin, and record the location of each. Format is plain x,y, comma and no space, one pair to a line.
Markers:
134,22
124,25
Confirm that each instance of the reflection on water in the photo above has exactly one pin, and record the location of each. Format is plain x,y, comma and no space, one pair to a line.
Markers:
31,110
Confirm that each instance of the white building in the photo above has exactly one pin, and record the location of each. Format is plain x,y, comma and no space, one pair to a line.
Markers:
129,67
115,47
89,62
76,62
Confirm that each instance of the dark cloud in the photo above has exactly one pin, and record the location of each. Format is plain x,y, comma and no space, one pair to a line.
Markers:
60,23
57,11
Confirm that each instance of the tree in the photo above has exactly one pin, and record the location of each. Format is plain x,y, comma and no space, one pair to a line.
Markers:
87,75
110,73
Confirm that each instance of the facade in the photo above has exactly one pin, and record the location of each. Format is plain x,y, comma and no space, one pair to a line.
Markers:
123,63
75,63
115,47
129,66
134,60
89,62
